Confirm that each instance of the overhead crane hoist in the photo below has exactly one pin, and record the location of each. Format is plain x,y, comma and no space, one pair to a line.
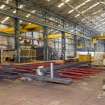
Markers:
98,37
24,28
30,28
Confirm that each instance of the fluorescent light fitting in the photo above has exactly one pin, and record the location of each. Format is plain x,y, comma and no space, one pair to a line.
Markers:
14,11
60,5
33,11
5,20
21,6
77,7
100,25
29,23
83,19
103,15
82,4
77,15
20,21
70,11
28,15
7,1
66,1
100,20
94,5
2,6
94,13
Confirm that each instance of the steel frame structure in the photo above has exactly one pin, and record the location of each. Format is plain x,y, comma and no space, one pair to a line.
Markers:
43,18
48,21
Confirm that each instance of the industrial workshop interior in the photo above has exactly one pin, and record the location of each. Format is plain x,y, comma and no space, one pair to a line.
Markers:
52,52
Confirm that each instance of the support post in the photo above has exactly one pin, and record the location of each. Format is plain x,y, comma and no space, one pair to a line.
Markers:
63,46
17,33
32,38
75,45
75,40
52,70
45,39
33,45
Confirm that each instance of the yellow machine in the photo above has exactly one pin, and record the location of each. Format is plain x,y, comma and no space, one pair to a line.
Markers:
85,58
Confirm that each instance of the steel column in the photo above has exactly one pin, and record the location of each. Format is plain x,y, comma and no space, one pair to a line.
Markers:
75,41
32,38
17,33
75,45
63,46
45,39
33,44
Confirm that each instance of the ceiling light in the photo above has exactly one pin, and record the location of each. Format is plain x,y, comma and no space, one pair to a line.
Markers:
82,4
100,20
103,15
48,0
5,20
77,15
70,11
94,5
20,21
100,25
7,1
66,1
14,11
83,19
2,6
33,11
28,15
2,26
77,7
21,6
94,13
29,23
60,5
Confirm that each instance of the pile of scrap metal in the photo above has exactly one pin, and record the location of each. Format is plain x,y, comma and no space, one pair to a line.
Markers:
40,73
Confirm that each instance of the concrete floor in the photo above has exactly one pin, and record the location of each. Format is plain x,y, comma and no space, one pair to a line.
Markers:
84,92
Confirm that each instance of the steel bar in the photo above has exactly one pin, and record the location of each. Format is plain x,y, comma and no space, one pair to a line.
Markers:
58,68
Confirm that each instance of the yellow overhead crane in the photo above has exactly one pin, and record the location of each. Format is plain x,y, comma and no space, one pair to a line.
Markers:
57,36
30,28
24,28
98,37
